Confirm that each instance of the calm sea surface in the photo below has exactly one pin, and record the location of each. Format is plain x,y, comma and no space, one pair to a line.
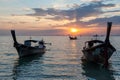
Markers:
62,61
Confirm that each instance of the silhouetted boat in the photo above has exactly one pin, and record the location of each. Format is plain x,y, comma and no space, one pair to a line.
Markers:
72,37
27,49
99,51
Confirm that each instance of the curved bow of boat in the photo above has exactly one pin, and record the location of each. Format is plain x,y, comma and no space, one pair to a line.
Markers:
109,25
14,37
100,52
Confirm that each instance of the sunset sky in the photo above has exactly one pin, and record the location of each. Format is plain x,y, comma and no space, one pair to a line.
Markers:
57,17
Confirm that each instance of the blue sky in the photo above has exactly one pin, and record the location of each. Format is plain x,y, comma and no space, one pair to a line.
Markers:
56,17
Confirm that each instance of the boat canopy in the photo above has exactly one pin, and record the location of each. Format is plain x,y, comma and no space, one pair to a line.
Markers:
31,41
28,42
94,41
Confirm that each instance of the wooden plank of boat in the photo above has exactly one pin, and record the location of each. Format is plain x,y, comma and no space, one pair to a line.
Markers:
101,52
28,50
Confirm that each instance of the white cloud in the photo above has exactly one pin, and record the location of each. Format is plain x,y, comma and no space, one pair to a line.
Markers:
90,0
27,9
87,19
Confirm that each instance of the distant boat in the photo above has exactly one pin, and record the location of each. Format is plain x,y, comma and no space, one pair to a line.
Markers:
27,49
95,36
99,51
72,37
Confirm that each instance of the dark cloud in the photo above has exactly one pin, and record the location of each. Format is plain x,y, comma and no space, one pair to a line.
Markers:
49,32
43,12
72,13
4,32
101,21
78,12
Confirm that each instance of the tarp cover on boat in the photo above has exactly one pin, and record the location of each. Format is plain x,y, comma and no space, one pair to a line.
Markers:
31,41
94,41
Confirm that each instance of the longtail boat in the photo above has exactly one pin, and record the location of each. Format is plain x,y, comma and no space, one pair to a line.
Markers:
27,49
99,51
72,37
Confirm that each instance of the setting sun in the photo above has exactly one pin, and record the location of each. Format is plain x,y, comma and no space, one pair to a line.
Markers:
74,30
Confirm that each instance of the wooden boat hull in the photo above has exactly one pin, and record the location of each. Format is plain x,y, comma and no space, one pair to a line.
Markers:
28,51
72,38
98,54
99,51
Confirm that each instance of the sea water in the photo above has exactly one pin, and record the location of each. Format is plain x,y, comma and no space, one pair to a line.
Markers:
61,61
